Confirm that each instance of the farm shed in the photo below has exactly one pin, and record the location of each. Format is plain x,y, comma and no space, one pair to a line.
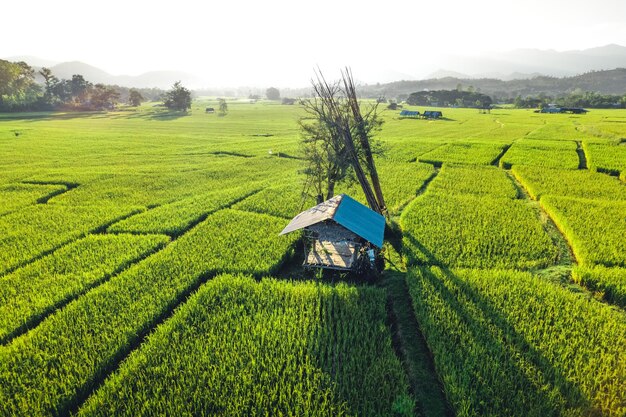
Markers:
432,114
339,233
409,113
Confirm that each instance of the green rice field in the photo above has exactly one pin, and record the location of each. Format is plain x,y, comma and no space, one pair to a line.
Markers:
142,274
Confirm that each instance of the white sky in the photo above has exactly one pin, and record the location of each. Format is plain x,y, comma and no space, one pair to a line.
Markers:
277,42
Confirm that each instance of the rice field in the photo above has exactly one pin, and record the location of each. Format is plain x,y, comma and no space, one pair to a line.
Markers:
141,271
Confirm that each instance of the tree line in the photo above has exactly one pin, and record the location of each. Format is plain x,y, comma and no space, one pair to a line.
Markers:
576,98
20,91
449,98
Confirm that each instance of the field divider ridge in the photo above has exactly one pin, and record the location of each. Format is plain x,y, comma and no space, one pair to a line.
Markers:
582,157
100,229
566,255
44,200
116,360
34,322
505,148
410,347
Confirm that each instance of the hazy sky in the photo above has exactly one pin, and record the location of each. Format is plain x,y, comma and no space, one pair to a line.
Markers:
276,42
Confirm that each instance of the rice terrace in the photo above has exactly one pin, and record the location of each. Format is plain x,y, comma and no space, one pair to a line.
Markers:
142,271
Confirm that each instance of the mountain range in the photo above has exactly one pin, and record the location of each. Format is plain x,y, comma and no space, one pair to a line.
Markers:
65,70
519,64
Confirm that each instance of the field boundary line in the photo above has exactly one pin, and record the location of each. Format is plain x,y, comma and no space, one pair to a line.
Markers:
44,200
36,321
116,360
409,345
582,156
202,217
505,149
100,229
566,256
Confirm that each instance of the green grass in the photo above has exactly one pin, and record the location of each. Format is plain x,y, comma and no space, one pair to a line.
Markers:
542,153
569,183
504,342
50,369
30,292
239,347
594,228
510,343
473,180
475,232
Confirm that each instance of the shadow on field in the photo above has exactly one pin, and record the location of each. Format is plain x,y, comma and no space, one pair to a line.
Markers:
48,116
162,115
475,347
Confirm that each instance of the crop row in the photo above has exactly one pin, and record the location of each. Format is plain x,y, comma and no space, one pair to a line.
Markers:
398,150
175,218
611,282
571,183
475,232
595,229
607,157
239,347
474,180
546,154
400,182
30,292
510,343
175,180
15,196
472,153
35,230
282,201
50,369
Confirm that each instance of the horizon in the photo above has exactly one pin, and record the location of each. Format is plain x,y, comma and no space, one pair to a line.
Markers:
250,44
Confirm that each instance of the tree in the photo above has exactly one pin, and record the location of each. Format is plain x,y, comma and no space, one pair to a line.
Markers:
135,98
18,90
339,140
272,93
103,97
223,107
49,81
178,98
79,88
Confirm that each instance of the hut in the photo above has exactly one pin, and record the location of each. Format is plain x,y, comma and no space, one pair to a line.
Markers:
432,114
340,234
409,113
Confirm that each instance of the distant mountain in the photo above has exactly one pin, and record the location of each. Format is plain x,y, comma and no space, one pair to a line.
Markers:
65,70
442,73
33,61
605,82
158,79
90,73
536,61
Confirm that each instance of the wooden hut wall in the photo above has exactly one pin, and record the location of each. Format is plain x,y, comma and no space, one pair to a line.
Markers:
332,246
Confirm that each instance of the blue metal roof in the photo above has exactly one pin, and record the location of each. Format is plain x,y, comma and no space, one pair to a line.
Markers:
361,220
347,212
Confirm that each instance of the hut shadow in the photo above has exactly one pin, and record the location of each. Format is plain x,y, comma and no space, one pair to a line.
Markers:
528,377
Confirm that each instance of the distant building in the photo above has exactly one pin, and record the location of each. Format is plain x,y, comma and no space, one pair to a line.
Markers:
340,233
573,110
432,114
410,113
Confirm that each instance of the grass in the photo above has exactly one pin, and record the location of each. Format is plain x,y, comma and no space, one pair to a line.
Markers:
504,342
